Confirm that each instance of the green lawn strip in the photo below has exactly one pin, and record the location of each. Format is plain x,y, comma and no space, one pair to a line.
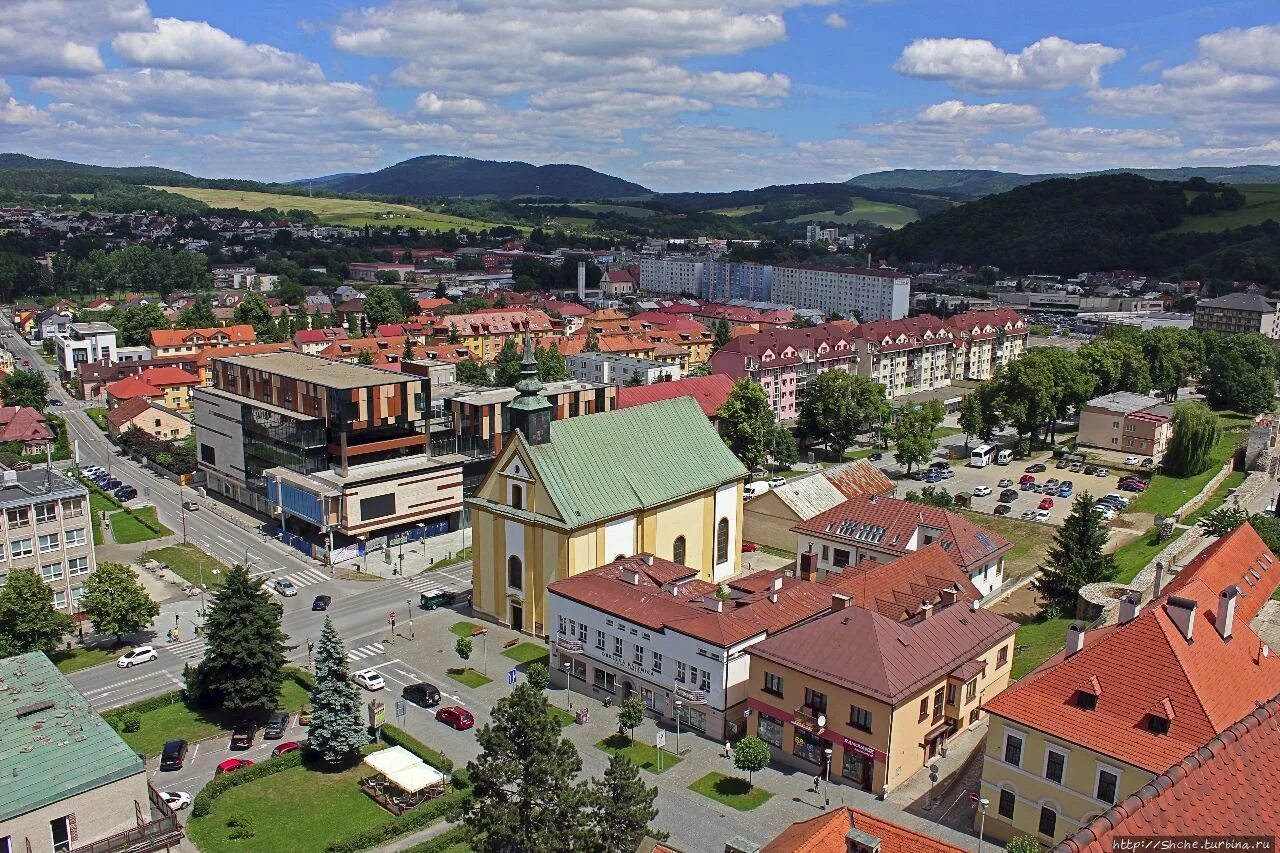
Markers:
97,528
732,791
560,715
1218,497
861,453
462,629
945,432
1166,494
71,660
293,810
98,414
127,528
1036,642
528,653
100,501
461,557
1134,555
191,564
469,677
1031,541
777,552
642,755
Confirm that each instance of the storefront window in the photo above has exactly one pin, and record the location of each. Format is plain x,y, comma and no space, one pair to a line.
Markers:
692,719
858,769
603,680
770,730
808,746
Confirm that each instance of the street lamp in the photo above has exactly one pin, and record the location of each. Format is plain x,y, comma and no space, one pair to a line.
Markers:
827,752
679,703
182,513
568,670
408,606
982,822
310,647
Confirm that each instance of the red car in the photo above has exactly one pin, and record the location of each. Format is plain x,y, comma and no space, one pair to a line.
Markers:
1026,478
231,765
287,746
748,547
1046,503
458,718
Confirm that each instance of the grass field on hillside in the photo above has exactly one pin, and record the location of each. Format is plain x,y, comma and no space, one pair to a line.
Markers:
333,211
738,211
1262,202
888,215
624,209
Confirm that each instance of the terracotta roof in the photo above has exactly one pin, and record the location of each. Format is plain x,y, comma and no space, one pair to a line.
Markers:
859,477
352,347
1228,787
202,358
828,833
711,392
566,309
889,525
23,423
213,336
1148,663
127,411
898,588
316,336
162,376
895,659
430,303
131,386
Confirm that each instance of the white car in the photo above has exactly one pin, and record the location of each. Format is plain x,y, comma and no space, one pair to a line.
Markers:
177,800
369,679
1116,497
774,482
141,654
1042,516
1132,460
1106,512
90,470
981,491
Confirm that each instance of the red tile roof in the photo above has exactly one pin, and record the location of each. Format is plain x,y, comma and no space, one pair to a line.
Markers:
214,336
859,477
711,392
565,309
317,336
1228,787
1148,662
826,834
23,423
898,588
159,377
131,386
202,358
889,525
127,411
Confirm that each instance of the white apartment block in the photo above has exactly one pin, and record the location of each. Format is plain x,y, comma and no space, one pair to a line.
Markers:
83,343
611,369
671,276
870,294
45,526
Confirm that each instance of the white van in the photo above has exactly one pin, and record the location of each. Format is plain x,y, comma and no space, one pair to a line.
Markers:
1004,457
754,490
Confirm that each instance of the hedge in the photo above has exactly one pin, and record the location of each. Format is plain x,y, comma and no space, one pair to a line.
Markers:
305,680
219,785
411,821
399,737
442,842
113,717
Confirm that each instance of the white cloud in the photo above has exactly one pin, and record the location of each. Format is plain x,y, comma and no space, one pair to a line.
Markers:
1068,140
62,36
980,117
835,21
1256,49
431,104
197,46
978,64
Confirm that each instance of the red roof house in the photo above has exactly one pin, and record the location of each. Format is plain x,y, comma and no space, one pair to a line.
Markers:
26,425
711,392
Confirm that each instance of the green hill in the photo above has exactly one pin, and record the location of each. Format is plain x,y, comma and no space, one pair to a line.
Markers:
437,175
1262,202
834,204
980,182
125,174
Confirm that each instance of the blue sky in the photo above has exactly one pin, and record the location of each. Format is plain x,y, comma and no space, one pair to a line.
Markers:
674,94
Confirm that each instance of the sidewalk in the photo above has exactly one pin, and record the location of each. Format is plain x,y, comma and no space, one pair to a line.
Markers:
419,556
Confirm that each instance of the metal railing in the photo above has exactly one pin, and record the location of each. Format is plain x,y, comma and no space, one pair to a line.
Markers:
569,644
162,833
691,695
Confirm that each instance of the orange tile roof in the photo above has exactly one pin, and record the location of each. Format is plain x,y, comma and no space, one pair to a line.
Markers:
711,392
354,346
162,376
897,589
127,411
1209,683
213,336
827,834
131,386
1228,787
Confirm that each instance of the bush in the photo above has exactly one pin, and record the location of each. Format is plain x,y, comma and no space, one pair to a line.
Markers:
115,715
221,784
411,821
397,736
130,722
442,842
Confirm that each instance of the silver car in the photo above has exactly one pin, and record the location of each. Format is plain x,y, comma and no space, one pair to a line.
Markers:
285,587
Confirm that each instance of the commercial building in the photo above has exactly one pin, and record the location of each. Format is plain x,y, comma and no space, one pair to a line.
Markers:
768,519
615,369
853,292
568,496
1135,424
71,784
46,528
647,627
1238,313
867,527
476,421
1123,703
882,692
340,452
83,343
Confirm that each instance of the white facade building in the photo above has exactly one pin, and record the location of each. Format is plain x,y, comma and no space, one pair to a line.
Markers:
83,343
612,369
870,294
672,276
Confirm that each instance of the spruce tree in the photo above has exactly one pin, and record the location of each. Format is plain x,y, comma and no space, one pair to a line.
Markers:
524,796
337,733
245,650
723,335
1076,558
623,807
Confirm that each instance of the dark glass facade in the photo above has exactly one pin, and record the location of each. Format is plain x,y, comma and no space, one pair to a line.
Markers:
273,440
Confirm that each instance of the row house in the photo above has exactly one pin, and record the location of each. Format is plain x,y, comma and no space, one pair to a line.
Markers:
485,332
179,342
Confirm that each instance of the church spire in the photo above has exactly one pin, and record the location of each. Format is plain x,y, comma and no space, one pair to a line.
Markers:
530,412
529,384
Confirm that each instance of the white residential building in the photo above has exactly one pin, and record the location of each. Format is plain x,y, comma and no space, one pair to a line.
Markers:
611,369
676,276
879,294
83,343
45,526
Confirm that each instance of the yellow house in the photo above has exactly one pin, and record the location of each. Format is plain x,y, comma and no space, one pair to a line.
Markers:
568,496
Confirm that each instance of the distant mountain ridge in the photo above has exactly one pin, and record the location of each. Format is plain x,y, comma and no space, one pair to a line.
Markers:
980,182
441,175
127,174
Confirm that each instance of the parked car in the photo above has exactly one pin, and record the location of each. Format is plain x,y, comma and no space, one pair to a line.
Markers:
981,491
946,473
125,493
422,694
1064,491
1077,467
1118,498
939,465
1008,496
190,506
174,755
285,587
231,765
1035,468
1102,472
176,800
1148,462
748,547
286,747
322,602
1003,509
933,477
111,484
1052,482
369,679
1042,516
1133,486
304,715
90,470
274,729
242,735
876,456
456,717
1046,503
774,482
1090,470
1026,478
139,654
1132,460
1005,483
1027,487
1062,463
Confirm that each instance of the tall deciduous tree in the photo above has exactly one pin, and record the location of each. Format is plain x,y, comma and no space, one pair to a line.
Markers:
524,796
622,807
551,364
245,648
337,733
28,620
747,423
25,388
593,341
382,306
117,601
971,417
255,312
199,314
912,433
1196,430
1075,559
1240,374
836,406
472,372
137,323
506,367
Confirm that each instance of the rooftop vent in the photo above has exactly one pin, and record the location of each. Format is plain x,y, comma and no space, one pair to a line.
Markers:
35,708
1075,638
1182,611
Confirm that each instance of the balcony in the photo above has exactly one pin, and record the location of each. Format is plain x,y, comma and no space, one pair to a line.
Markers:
807,717
568,644
162,832
690,695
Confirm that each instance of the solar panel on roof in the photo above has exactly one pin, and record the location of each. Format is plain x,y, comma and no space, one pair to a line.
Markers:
985,540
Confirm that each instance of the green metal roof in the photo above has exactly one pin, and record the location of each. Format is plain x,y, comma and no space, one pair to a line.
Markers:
612,463
52,744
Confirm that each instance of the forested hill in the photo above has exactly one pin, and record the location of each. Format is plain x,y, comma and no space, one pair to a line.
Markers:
437,175
1066,226
980,182
125,174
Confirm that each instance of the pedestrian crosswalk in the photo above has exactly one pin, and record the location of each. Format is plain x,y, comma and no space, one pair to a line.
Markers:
430,582
306,577
371,650
187,649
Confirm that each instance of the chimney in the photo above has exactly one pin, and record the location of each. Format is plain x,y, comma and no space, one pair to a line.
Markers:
1129,607
777,583
975,604
1182,611
1075,638
648,559
632,578
717,605
808,563
872,500
773,596
839,601
1159,582
582,281
926,609
1226,616
948,596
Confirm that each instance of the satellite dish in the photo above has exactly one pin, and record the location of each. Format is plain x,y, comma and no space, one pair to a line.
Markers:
822,720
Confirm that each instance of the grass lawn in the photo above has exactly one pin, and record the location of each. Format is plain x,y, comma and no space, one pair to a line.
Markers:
461,557
98,414
777,552
100,501
82,658
294,810
463,629
946,432
1030,541
528,653
1133,556
1036,642
733,791
560,715
643,755
469,677
860,453
189,561
1166,494
126,529
1233,481
97,528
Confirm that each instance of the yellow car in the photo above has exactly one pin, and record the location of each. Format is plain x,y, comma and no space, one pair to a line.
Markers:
304,716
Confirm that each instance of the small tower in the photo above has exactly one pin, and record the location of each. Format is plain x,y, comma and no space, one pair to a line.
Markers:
530,412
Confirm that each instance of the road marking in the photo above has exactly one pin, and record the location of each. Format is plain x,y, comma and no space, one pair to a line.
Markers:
117,684
195,751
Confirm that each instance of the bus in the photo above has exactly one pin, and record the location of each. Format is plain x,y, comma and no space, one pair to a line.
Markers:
981,456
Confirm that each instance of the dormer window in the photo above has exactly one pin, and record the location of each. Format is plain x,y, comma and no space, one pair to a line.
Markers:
1157,724
1086,700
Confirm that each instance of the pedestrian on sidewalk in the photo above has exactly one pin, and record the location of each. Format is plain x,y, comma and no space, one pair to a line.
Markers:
817,781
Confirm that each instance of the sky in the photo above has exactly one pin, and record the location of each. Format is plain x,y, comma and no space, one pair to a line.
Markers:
677,95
